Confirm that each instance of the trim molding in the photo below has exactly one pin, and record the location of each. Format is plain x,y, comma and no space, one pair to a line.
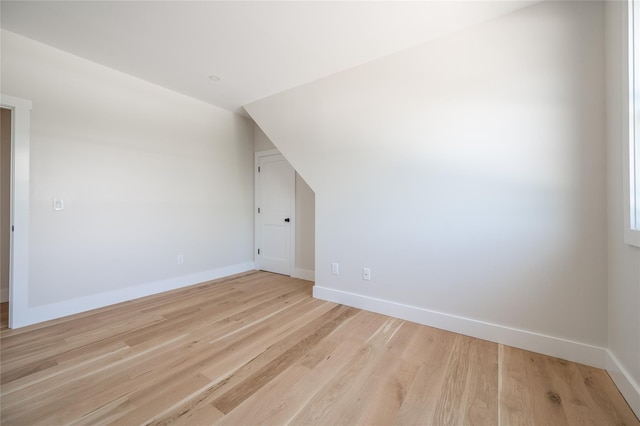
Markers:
42,313
19,262
523,339
628,387
304,274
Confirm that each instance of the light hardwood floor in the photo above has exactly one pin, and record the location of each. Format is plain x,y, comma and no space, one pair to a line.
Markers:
256,348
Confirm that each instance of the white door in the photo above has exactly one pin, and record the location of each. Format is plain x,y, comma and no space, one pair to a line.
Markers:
276,198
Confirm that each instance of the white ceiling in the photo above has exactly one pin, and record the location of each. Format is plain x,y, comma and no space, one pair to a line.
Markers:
257,48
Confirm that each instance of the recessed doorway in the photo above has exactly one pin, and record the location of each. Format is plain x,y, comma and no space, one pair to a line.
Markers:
18,205
5,212
275,214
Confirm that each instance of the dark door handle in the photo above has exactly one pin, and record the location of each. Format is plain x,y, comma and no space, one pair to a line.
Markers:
287,220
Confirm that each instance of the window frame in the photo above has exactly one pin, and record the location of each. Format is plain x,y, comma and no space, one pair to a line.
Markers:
631,162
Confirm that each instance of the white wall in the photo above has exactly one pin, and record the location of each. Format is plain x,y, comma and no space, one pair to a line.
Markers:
305,227
261,142
305,216
146,174
624,260
469,174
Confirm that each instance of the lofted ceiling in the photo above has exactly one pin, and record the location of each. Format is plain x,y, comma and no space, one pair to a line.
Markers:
256,48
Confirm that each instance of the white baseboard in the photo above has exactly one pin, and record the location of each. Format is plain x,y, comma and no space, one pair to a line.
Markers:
36,314
304,274
629,388
535,342
4,295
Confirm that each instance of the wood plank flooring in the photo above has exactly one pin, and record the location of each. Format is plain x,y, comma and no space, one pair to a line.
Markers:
256,348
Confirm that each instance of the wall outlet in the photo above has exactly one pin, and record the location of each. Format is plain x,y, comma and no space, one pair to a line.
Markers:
366,274
180,259
58,204
335,268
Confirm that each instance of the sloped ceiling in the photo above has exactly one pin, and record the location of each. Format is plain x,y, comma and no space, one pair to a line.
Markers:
256,48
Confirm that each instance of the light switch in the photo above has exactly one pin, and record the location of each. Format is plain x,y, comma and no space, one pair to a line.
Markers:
58,204
335,269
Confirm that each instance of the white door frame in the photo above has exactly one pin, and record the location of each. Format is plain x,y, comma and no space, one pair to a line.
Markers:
19,199
292,215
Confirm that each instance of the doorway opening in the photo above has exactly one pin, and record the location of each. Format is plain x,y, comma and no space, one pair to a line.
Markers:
18,206
5,212
284,218
275,214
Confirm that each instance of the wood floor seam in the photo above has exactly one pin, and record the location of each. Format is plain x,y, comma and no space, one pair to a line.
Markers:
257,348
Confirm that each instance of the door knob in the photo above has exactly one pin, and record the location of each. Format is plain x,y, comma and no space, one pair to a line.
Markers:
287,220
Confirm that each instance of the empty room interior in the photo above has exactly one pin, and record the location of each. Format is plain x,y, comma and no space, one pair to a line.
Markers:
320,212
